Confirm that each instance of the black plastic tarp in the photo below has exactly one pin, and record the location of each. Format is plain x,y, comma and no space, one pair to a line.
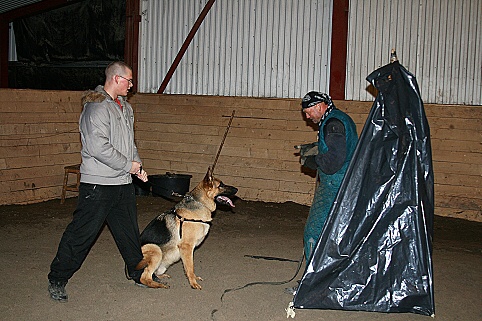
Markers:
90,30
375,250
68,48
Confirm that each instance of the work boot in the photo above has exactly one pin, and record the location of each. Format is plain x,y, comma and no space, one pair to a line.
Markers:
57,291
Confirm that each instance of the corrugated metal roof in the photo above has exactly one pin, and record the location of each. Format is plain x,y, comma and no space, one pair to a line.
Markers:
8,5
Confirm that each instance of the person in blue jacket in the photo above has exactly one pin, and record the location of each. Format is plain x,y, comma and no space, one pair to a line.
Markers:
337,139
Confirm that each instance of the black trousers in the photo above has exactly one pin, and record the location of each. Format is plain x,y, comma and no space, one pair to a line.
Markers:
99,204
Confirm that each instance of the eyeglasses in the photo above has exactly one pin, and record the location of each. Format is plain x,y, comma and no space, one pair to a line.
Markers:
131,81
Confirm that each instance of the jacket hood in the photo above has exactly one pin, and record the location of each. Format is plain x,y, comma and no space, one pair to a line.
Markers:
93,96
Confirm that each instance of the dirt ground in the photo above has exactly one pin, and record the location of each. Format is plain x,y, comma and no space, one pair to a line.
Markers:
30,234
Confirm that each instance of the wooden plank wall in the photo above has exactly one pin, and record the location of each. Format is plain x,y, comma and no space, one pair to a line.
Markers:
182,134
38,136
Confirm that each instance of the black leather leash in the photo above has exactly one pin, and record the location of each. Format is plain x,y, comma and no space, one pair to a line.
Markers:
300,261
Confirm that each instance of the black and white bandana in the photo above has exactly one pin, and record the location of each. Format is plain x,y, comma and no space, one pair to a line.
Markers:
313,97
328,110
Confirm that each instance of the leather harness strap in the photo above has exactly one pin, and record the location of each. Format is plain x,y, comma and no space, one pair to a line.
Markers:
182,220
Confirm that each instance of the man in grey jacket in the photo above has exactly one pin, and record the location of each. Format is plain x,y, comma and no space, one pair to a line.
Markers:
106,193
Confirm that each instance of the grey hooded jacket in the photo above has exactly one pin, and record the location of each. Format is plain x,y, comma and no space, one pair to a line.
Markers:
107,135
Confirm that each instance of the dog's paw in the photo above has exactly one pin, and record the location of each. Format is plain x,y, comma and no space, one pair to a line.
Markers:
158,283
194,283
161,286
164,276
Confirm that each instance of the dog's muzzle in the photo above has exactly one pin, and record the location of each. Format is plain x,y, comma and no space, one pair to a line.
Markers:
223,198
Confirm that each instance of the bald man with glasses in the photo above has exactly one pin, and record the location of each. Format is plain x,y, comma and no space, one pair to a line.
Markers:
106,193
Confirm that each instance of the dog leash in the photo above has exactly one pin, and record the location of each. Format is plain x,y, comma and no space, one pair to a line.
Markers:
300,261
270,258
222,142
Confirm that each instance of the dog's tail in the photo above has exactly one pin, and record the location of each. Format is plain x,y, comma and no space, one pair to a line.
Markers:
142,264
152,253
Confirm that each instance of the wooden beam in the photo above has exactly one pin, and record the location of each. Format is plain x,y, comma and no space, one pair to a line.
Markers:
131,52
35,8
185,45
339,42
3,54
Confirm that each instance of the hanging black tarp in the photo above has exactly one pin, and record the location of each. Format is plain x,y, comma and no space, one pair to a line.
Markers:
68,48
375,251
91,30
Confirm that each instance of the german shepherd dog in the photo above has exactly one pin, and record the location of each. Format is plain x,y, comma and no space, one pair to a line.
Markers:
174,234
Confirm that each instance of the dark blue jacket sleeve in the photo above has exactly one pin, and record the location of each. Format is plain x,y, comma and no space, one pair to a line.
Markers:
335,138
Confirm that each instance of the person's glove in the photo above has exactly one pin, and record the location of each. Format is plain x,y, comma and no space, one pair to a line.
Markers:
307,154
309,161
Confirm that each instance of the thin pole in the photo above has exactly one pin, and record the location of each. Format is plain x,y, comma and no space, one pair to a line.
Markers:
222,142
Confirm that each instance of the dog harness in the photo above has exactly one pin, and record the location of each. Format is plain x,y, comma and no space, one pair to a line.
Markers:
183,219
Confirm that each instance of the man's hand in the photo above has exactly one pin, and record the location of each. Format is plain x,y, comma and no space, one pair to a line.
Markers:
307,154
137,170
135,167
142,175
308,149
309,161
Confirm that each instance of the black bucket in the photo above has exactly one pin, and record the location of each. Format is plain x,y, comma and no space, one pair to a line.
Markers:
169,184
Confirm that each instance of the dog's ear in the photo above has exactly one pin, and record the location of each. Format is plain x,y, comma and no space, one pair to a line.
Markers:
208,178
